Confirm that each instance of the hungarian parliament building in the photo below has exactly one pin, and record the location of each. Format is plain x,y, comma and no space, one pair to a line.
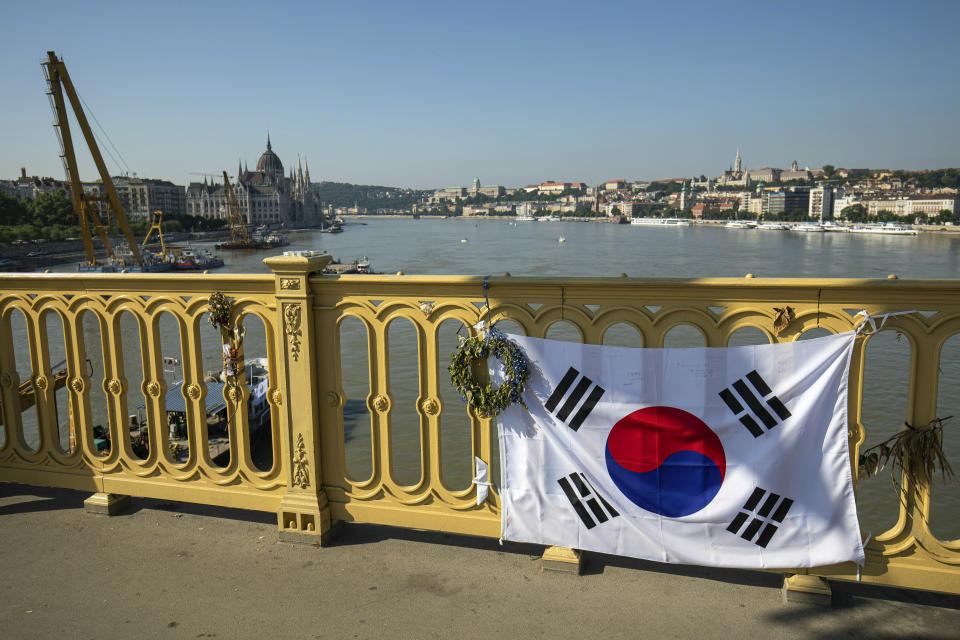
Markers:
266,195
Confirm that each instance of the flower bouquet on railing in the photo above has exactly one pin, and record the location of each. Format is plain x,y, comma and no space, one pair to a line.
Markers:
231,337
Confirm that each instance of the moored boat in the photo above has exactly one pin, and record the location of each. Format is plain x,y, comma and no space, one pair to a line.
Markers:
890,229
674,222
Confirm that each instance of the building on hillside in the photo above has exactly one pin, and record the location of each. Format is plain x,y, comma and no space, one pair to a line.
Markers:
9,188
841,202
265,195
452,193
784,200
752,203
734,175
688,197
767,175
794,173
530,208
29,187
614,185
550,187
821,202
917,207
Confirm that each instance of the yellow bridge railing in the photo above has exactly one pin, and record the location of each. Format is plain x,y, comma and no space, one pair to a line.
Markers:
343,398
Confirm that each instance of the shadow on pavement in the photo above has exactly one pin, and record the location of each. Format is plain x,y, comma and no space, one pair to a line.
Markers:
49,499
354,534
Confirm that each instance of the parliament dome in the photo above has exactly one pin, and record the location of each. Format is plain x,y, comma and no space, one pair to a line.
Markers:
269,162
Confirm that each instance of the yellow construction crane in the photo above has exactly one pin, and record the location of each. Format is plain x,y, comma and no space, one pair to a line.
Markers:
155,225
58,82
239,234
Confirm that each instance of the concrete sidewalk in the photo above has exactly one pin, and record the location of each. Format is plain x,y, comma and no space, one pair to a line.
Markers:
174,570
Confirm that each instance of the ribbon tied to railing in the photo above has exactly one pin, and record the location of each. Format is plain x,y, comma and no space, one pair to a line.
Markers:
871,320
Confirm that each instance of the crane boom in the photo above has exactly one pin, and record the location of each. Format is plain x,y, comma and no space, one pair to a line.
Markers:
58,82
239,235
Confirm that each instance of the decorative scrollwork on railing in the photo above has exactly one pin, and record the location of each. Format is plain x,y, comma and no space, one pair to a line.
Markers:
289,283
300,464
291,327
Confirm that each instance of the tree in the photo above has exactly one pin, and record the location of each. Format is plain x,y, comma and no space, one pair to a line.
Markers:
52,208
854,213
828,170
12,212
944,216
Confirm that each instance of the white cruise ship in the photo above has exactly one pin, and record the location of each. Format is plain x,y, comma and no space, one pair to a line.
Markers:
889,229
675,222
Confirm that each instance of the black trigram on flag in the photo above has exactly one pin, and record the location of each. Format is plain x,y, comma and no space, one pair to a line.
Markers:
570,403
755,395
766,516
586,501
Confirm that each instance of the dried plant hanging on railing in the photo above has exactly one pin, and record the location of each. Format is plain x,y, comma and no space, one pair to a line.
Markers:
782,320
914,451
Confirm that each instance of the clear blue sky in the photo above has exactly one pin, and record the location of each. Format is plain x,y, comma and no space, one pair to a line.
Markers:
431,94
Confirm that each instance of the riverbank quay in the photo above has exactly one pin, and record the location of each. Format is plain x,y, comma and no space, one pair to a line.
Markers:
923,228
30,256
166,569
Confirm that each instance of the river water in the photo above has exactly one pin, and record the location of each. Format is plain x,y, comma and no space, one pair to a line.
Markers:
480,246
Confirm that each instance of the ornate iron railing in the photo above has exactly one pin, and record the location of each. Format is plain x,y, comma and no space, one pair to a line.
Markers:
307,480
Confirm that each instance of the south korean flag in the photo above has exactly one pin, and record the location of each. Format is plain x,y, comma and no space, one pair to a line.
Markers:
733,457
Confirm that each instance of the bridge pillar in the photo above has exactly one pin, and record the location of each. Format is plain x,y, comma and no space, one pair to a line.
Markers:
304,512
106,504
803,588
562,559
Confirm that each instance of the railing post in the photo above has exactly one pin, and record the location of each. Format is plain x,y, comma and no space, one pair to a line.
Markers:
304,512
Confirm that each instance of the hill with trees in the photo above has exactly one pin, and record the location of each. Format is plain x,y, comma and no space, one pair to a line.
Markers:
370,197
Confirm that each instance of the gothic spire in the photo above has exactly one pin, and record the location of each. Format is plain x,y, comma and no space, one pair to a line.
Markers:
269,148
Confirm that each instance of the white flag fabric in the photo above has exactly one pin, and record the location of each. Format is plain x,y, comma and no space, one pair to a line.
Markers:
733,457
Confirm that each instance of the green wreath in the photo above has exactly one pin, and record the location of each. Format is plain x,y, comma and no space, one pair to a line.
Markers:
489,400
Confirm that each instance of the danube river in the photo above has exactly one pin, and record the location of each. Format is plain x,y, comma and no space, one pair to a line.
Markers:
479,246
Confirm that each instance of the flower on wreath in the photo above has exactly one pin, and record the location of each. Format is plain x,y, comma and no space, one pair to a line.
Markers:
489,400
